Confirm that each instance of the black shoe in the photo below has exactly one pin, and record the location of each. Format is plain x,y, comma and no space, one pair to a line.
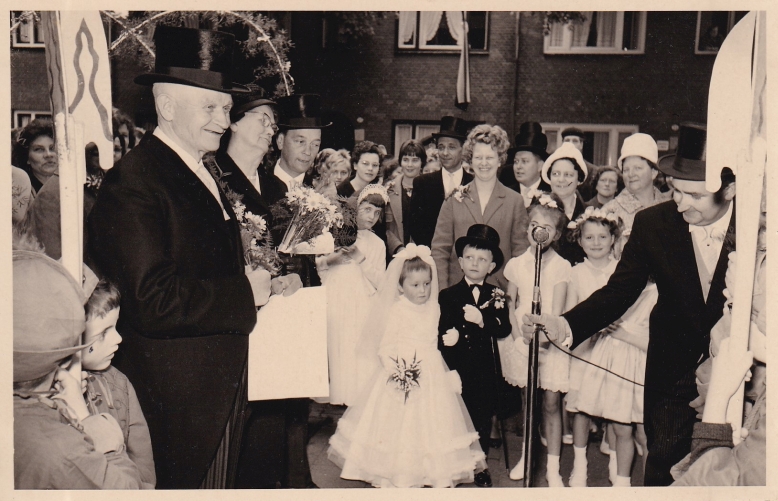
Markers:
483,479
495,443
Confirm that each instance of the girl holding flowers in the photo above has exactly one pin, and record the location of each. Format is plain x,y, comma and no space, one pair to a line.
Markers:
409,427
351,275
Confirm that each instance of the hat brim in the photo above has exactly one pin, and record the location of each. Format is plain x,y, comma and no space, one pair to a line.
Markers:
452,135
693,170
31,365
463,242
284,126
148,79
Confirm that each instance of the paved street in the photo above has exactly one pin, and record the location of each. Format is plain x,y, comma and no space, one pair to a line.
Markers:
323,421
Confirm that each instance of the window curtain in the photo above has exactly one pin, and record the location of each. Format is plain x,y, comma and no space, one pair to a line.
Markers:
454,20
407,26
581,31
429,22
600,147
606,29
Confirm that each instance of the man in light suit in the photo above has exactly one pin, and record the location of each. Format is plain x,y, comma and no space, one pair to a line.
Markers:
430,190
166,235
683,244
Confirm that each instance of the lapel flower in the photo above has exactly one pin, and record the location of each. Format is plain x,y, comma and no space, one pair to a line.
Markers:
460,192
497,299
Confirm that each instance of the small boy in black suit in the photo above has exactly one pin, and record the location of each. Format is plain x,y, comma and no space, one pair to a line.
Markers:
472,313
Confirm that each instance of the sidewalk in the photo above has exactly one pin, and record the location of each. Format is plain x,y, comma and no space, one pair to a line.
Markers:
323,421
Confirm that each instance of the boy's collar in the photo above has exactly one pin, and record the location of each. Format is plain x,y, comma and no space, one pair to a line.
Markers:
471,282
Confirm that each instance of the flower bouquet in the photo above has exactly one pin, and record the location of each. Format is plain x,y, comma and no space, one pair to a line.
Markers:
406,375
308,217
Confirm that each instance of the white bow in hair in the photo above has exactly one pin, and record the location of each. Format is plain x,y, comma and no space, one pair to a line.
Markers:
412,250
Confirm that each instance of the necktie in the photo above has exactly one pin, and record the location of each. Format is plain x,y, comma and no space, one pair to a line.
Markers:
476,291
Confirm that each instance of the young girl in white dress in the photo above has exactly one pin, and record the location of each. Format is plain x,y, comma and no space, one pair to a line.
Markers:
546,212
621,348
410,427
351,275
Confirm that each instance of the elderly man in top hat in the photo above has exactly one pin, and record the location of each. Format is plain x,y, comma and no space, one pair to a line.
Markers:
526,159
430,190
682,245
577,138
164,232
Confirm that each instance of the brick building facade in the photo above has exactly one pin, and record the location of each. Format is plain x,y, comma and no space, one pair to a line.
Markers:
381,88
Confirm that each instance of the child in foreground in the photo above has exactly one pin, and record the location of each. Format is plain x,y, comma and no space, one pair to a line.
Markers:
107,389
409,427
472,314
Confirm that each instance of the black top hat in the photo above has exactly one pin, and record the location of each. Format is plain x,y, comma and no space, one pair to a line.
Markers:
573,131
301,111
200,58
530,138
452,127
241,103
481,236
688,161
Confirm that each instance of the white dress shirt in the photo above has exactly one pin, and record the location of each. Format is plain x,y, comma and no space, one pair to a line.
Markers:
288,180
452,179
196,166
708,241
476,290
525,191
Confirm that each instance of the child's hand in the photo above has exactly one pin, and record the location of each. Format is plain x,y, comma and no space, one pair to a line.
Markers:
69,391
451,337
473,315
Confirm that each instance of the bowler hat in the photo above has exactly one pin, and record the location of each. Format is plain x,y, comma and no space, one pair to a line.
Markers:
199,58
301,111
48,315
530,138
481,236
452,127
573,131
688,161
241,103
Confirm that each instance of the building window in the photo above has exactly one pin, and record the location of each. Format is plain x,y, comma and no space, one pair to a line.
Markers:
712,29
602,143
29,33
23,117
413,129
441,30
603,32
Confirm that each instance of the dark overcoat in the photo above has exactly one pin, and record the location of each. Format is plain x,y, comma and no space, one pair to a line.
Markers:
186,308
427,199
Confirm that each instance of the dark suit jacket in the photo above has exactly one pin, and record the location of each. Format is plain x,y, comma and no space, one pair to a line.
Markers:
186,308
472,355
660,246
564,247
514,185
238,182
427,199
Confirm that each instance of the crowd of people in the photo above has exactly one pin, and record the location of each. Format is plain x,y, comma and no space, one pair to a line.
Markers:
429,294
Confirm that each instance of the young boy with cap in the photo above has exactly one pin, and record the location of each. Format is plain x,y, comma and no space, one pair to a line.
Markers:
57,444
472,313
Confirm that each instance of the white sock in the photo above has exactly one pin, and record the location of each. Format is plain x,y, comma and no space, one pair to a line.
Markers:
580,455
612,467
553,465
622,481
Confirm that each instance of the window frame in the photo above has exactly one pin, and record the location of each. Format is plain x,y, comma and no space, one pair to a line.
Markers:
437,49
17,44
415,124
613,131
730,24
33,115
567,48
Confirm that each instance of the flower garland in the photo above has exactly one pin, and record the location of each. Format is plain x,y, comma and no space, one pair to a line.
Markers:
591,212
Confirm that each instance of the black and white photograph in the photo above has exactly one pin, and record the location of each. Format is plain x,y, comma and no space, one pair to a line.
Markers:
340,249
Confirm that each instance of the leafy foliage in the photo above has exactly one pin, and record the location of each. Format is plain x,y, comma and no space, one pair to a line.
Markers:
554,17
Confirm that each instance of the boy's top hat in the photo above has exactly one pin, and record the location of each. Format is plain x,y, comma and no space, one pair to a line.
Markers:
452,127
48,315
241,103
688,161
530,138
200,58
301,111
482,236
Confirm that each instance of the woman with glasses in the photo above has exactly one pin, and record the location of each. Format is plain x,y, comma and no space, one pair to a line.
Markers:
243,148
565,170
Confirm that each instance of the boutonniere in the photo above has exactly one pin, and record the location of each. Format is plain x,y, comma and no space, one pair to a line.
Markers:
497,299
460,192
94,181
390,187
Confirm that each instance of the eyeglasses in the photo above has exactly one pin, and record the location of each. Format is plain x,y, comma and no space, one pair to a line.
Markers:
266,120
